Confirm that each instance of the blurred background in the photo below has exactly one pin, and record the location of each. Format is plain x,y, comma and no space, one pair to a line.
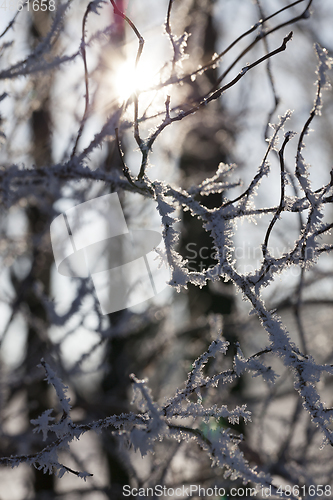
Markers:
44,314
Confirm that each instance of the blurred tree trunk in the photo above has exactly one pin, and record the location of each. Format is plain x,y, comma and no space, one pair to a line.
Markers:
116,380
42,258
206,145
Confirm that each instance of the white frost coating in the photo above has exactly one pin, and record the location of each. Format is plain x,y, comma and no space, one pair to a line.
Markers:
154,420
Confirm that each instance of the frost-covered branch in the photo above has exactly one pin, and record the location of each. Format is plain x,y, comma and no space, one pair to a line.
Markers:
199,381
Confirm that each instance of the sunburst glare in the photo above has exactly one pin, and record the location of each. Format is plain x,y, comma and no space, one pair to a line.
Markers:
130,79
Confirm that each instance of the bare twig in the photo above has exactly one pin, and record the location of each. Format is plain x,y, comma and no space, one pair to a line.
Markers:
280,208
86,79
264,34
170,35
126,171
138,56
215,95
269,73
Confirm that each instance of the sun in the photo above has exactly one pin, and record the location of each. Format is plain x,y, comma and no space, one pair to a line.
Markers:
130,79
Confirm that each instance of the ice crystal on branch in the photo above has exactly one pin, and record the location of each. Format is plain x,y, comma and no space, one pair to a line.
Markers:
59,387
42,423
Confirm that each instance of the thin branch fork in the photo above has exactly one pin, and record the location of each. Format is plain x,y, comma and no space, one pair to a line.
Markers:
280,208
282,47
218,92
126,171
145,148
259,37
262,35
